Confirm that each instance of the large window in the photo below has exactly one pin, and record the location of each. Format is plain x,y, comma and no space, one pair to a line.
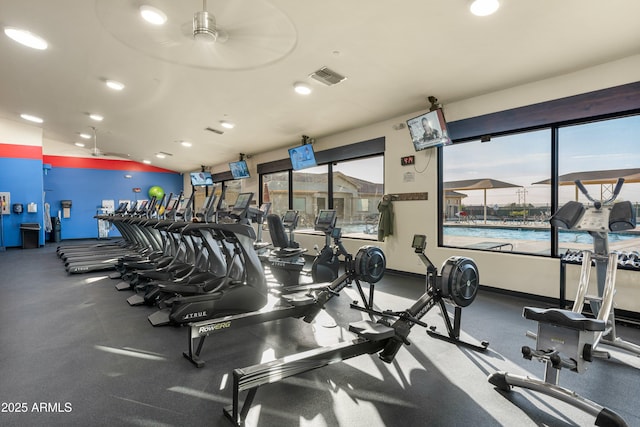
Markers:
597,154
497,193
310,189
275,189
348,179
357,189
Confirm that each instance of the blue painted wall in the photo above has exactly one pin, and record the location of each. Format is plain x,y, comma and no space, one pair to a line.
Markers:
22,177
86,188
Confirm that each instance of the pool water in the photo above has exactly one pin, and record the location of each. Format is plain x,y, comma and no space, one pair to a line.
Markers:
529,234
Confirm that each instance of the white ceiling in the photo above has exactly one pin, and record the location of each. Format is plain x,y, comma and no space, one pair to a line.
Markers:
394,56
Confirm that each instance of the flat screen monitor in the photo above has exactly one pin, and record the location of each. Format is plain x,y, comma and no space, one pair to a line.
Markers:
243,201
201,178
239,169
302,157
429,130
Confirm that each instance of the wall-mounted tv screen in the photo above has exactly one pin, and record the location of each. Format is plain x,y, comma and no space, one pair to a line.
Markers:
428,130
239,169
201,178
302,157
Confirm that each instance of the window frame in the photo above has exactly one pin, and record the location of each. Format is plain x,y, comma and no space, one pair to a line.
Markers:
600,105
359,150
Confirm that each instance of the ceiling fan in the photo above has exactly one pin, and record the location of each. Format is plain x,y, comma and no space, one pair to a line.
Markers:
97,152
230,35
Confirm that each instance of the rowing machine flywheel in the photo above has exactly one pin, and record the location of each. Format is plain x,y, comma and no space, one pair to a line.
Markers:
370,264
460,280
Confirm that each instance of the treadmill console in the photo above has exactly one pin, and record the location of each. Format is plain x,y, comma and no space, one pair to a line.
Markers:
326,221
241,205
257,215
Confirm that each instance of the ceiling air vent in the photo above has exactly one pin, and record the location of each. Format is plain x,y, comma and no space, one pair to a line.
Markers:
219,132
327,76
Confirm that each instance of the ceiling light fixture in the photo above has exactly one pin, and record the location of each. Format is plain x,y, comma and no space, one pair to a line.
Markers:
112,84
160,155
484,7
153,15
185,143
79,144
31,118
146,162
96,117
226,124
85,136
302,88
26,38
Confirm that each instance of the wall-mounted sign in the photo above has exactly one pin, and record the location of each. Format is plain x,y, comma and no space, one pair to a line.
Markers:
5,203
408,160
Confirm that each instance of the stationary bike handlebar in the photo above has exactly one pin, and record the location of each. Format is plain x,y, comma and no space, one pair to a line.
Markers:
616,191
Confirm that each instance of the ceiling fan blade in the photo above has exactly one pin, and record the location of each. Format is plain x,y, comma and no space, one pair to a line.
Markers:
258,33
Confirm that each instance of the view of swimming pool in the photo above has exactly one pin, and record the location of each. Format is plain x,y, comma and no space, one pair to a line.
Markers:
529,234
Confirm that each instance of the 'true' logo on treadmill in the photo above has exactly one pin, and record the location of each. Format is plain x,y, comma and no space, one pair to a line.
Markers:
194,315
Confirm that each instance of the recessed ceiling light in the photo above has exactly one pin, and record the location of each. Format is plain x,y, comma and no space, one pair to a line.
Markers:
26,38
79,144
31,118
302,88
185,143
153,15
226,124
112,84
146,162
96,117
484,7
160,155
85,136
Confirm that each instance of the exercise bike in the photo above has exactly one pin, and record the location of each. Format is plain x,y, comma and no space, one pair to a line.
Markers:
287,260
568,338
457,284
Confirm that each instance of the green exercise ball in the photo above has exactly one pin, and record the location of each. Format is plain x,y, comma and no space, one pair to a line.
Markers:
156,191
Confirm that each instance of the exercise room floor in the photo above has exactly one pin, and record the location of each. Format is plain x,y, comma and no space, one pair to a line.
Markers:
74,353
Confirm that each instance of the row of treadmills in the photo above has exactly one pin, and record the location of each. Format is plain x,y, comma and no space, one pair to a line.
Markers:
207,258
197,266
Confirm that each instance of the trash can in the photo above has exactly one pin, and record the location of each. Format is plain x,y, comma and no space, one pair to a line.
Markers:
56,229
30,232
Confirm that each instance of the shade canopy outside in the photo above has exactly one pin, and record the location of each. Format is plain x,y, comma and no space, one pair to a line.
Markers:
483,184
597,177
602,177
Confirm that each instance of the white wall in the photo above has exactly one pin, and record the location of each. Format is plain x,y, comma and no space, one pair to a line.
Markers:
522,273
13,132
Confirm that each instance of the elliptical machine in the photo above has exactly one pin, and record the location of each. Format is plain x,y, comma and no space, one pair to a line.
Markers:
567,338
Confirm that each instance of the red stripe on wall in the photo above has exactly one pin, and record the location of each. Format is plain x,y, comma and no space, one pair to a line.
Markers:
106,164
21,151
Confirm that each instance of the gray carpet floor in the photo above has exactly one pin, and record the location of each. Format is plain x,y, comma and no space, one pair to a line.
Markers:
74,353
